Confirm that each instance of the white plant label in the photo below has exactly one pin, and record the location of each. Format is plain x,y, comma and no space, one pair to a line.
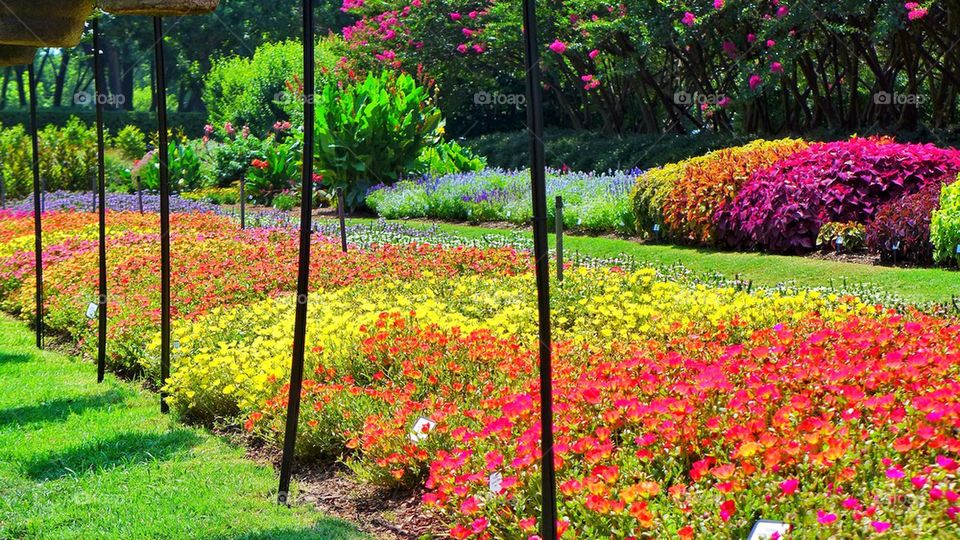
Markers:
958,249
496,483
176,345
839,240
656,228
896,246
92,310
421,429
764,529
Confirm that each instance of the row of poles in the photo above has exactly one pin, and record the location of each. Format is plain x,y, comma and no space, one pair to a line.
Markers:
541,250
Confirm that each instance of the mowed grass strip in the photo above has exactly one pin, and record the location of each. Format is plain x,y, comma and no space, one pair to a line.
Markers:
82,460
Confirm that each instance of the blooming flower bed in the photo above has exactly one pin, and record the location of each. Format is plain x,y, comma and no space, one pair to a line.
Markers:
682,409
592,202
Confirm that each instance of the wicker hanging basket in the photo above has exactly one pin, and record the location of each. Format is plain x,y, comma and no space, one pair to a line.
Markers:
158,7
15,55
43,23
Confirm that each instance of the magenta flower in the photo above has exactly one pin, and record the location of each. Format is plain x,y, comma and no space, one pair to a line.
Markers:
755,81
880,526
824,518
788,487
718,4
689,19
558,47
594,54
776,67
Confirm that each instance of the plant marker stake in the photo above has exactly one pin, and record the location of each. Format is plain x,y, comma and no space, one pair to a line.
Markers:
548,525
243,203
102,191
303,276
341,211
559,223
37,204
164,213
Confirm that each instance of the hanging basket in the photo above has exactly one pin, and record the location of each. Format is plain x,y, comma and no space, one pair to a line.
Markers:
15,55
158,7
43,23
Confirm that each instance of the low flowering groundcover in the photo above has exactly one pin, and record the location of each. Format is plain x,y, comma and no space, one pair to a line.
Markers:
683,409
597,202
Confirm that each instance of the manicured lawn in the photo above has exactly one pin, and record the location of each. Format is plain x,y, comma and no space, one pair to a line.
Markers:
81,460
911,284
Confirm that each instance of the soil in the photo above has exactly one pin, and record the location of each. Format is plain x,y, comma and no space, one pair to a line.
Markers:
330,487
857,257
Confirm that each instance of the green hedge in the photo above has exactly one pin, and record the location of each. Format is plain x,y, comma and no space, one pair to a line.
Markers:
191,123
586,151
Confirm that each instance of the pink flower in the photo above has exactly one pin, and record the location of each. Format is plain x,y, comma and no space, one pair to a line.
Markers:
824,518
880,526
751,38
462,48
776,67
728,509
724,102
718,4
689,19
782,12
594,54
947,463
755,81
894,473
558,47
771,43
455,16
479,525
918,482
789,486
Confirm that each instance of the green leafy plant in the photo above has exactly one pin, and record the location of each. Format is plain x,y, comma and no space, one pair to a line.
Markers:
131,142
277,172
373,132
184,165
845,237
945,226
448,157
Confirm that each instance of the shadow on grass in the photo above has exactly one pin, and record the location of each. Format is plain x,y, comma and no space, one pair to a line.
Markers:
121,451
325,529
8,358
60,409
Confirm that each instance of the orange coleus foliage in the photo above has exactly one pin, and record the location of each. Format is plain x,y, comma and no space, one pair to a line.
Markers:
831,427
707,183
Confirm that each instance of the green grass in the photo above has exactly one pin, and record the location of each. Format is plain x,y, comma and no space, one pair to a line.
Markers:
917,285
82,460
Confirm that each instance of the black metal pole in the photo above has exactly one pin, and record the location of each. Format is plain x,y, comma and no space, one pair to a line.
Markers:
548,526
3,192
37,203
559,223
164,213
342,212
303,276
102,193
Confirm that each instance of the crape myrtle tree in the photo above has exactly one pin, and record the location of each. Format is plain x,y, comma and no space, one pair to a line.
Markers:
665,65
